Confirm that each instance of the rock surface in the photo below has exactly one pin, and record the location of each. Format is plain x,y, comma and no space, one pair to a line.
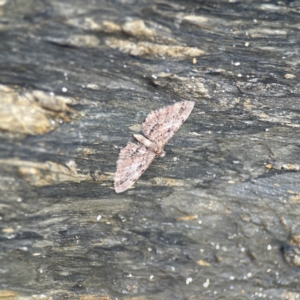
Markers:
217,218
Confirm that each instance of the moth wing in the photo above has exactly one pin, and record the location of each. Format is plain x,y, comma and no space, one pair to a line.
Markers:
162,124
132,163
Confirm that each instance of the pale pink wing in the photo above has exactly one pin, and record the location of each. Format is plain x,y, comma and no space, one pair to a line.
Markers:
132,163
162,124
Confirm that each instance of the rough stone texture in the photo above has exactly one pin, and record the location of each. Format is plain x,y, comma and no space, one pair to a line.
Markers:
217,218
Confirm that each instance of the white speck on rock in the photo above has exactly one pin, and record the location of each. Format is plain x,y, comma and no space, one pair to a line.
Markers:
289,76
206,283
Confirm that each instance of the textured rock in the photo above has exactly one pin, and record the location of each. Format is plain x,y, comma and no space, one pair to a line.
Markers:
217,217
31,112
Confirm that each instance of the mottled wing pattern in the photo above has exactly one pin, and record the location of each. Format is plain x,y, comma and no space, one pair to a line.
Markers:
162,124
132,163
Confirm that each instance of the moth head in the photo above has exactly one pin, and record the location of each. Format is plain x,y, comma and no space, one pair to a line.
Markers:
161,154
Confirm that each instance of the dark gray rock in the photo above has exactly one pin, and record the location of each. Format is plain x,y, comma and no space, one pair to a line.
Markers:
217,218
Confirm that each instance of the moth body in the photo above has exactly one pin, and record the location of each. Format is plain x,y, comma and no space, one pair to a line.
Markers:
150,145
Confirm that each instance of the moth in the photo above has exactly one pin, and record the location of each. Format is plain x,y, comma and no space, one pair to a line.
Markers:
158,128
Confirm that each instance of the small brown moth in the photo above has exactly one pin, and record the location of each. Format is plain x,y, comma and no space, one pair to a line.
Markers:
159,127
